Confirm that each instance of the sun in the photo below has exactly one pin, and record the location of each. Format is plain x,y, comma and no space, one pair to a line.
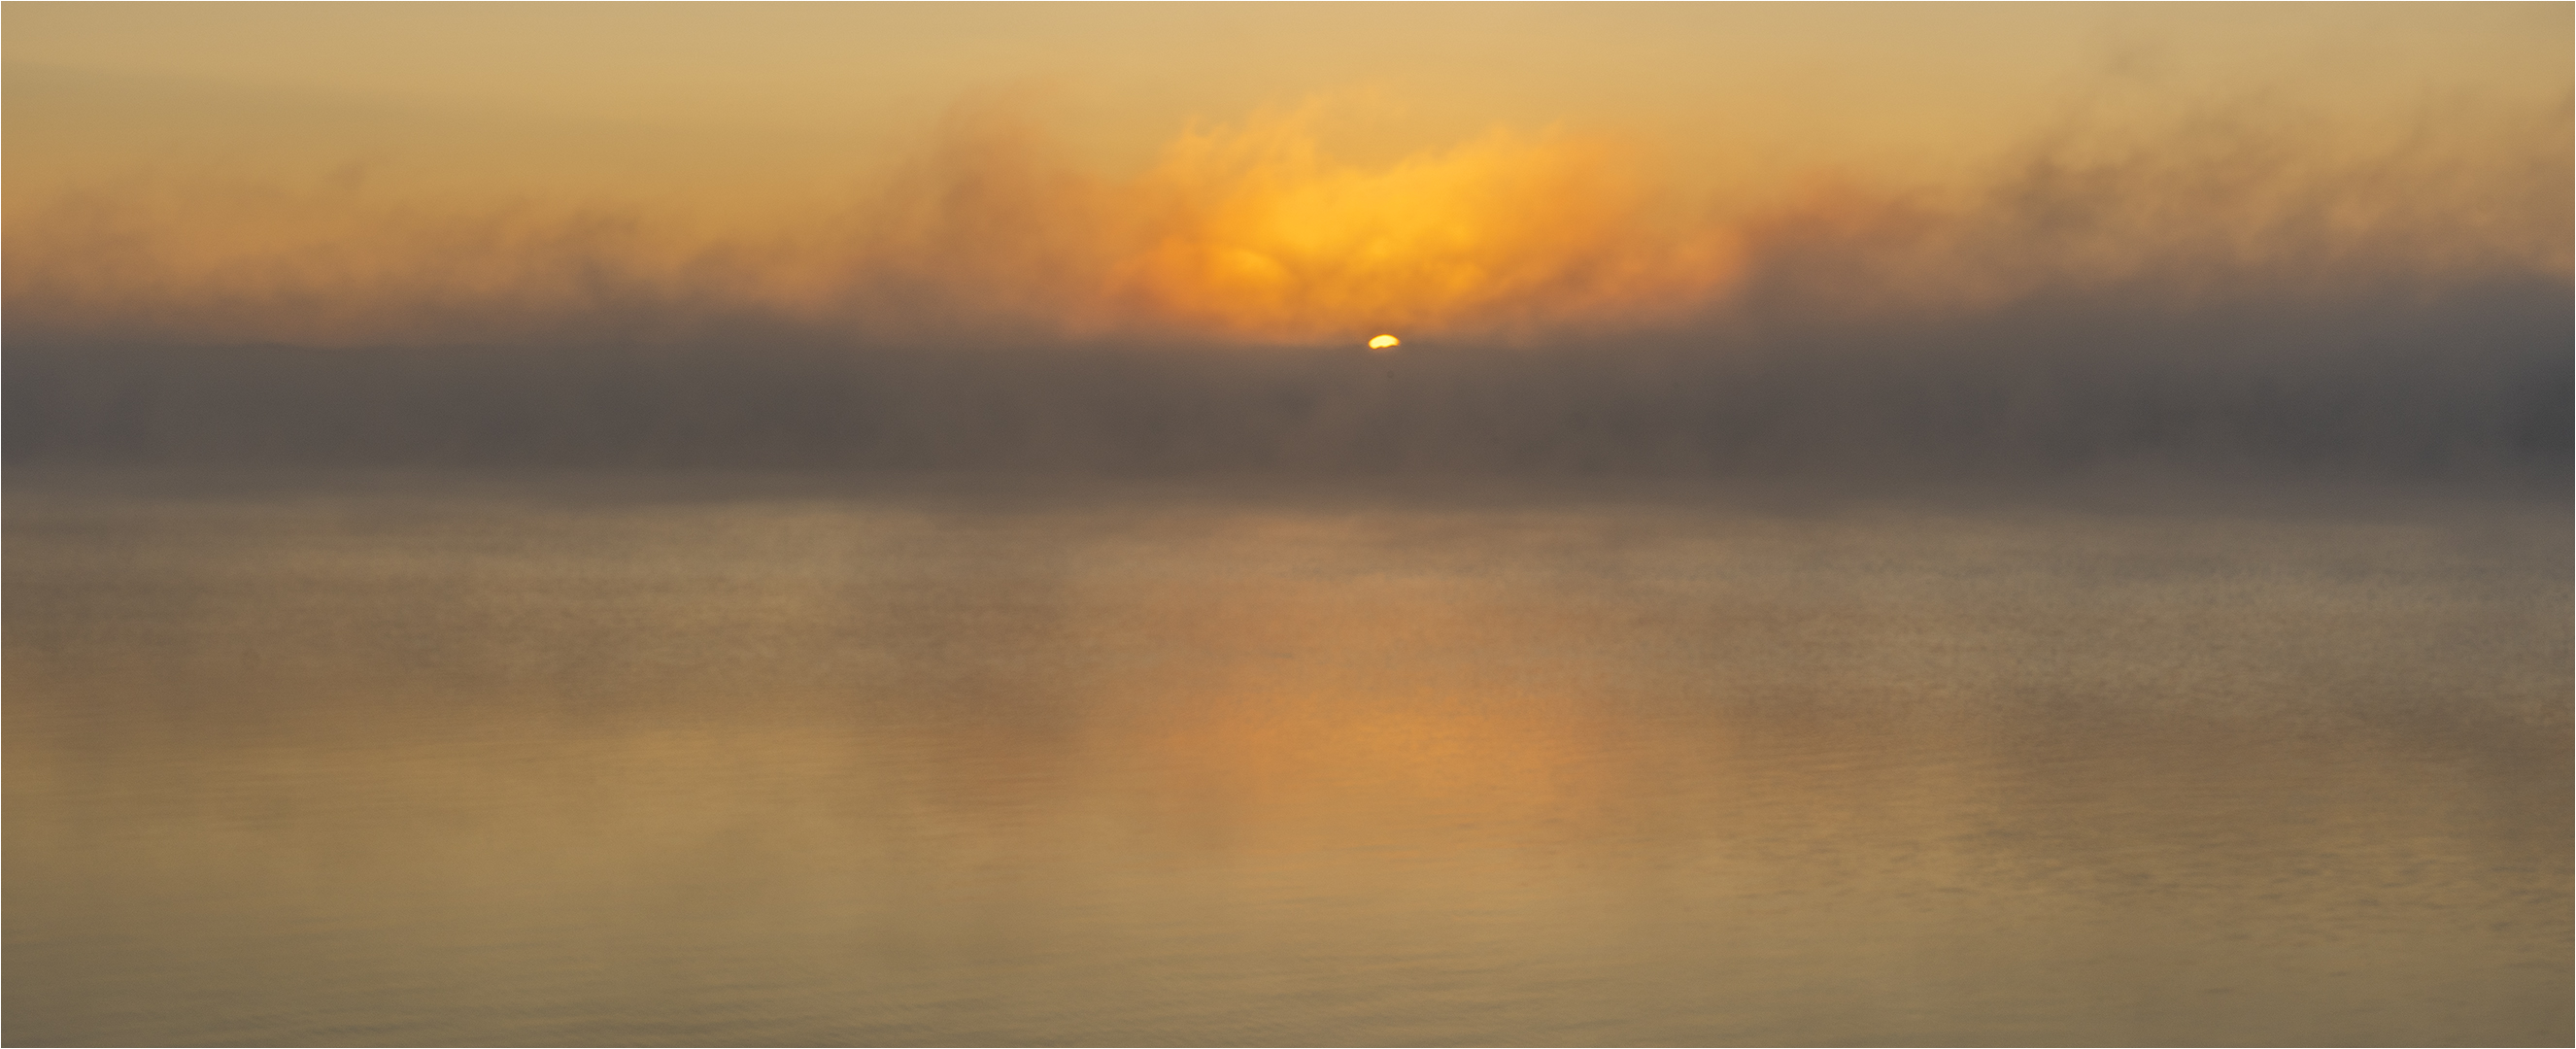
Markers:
1384,343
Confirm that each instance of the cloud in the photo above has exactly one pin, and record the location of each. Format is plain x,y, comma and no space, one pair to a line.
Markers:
1254,233
2223,202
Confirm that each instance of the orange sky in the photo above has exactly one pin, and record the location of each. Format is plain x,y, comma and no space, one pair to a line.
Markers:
348,173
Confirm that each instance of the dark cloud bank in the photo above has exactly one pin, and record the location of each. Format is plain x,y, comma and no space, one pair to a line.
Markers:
2470,381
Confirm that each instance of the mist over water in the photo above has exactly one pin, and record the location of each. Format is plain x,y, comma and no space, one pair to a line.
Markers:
571,759
2459,384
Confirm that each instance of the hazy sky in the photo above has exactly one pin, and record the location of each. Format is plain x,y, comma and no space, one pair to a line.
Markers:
346,173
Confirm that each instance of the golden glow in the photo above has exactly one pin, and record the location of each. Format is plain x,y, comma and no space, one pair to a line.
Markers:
1385,342
1319,771
1256,233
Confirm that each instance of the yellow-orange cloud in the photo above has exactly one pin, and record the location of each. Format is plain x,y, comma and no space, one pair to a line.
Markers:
1255,233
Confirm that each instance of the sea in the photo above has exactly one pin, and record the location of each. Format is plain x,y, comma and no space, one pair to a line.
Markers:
388,758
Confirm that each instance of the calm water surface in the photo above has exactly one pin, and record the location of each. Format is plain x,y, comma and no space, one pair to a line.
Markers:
454,762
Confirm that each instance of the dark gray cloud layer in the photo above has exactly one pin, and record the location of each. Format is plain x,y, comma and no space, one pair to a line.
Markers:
2468,380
